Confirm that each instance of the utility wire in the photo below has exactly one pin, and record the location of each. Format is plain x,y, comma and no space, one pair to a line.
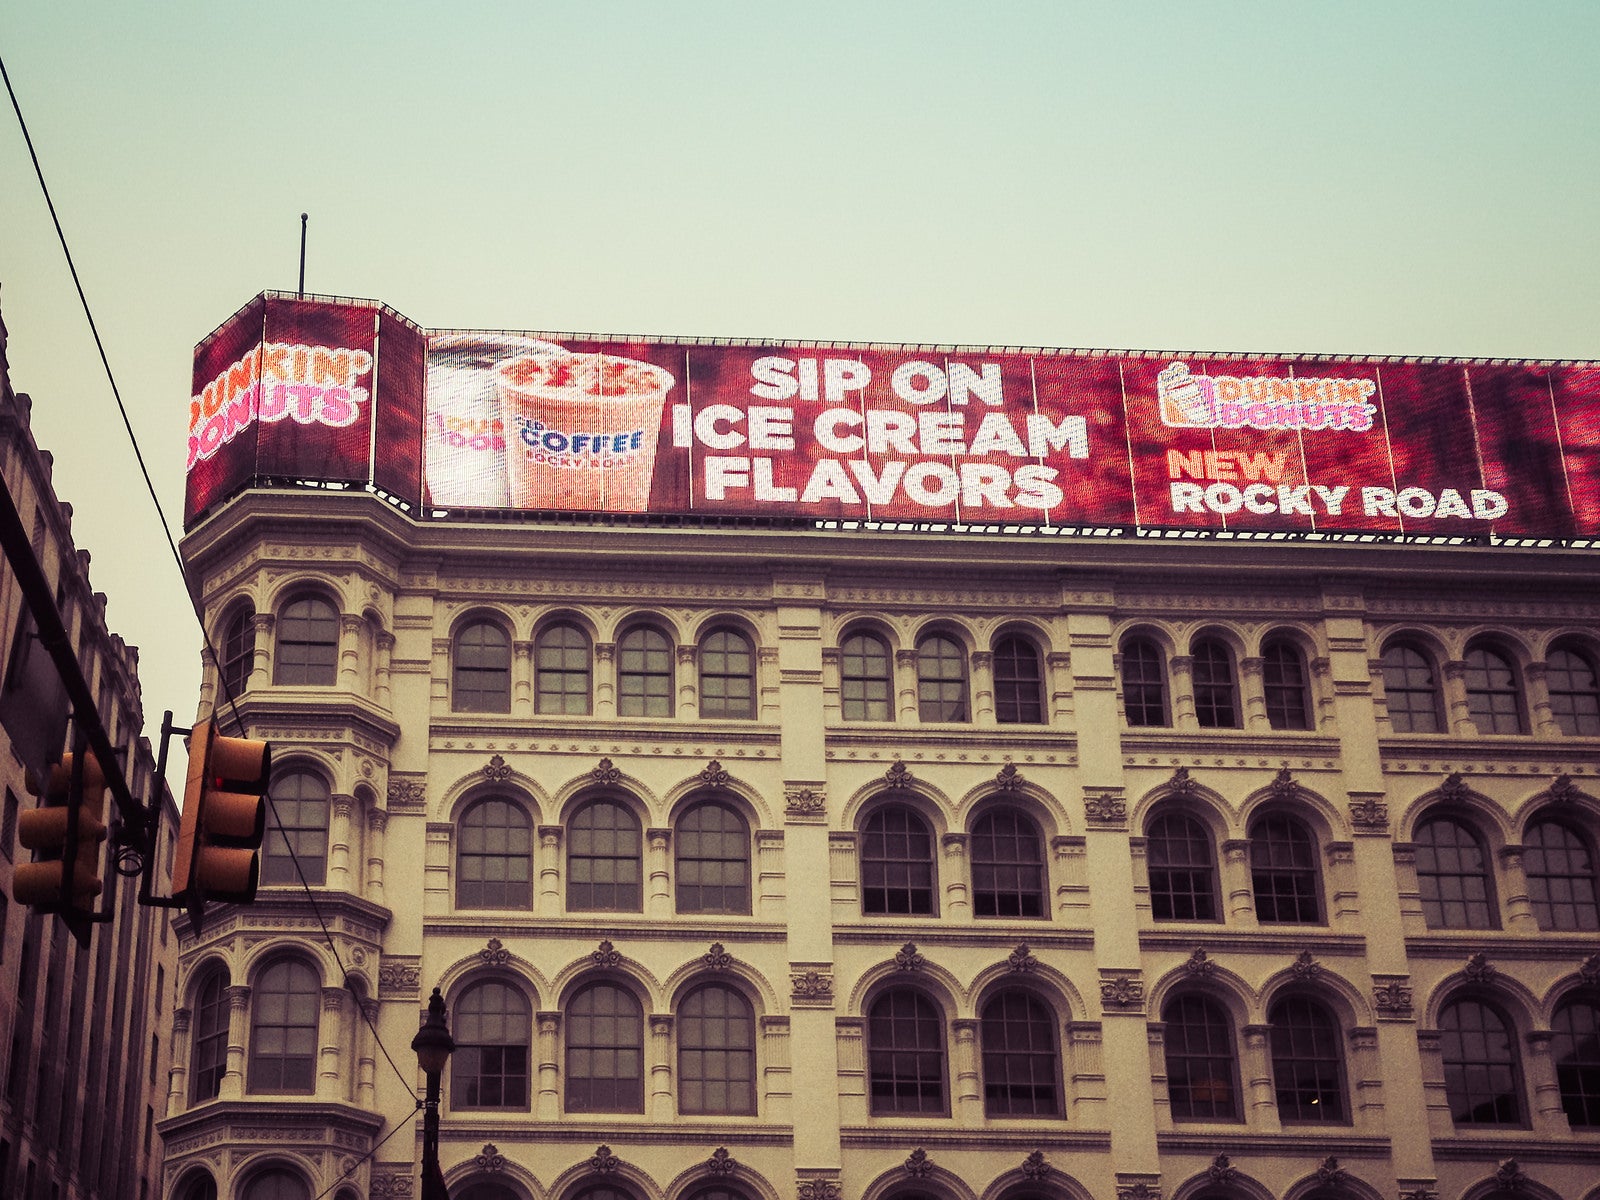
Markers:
194,601
368,1155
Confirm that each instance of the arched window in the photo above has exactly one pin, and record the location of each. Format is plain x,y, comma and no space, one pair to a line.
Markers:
482,661
1216,695
485,1191
238,652
1201,1064
1493,698
1575,1047
712,844
897,864
604,1191
644,673
286,999
718,1191
1307,1061
727,675
1008,878
200,1186
308,644
561,671
605,1051
1018,682
1574,684
1453,876
1482,1076
494,857
493,1030
716,1052
941,680
1283,871
1411,690
604,846
208,1058
276,1184
300,807
864,678
1021,1071
1144,683
1559,862
905,1054
1286,685
1183,869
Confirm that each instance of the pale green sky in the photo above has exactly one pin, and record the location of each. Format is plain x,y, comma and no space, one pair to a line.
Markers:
1373,178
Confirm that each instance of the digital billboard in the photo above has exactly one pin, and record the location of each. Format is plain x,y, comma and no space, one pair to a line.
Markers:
973,436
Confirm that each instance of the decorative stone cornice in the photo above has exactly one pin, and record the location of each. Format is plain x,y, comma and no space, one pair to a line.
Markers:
805,802
818,1189
1105,808
811,988
1122,993
1368,813
1392,997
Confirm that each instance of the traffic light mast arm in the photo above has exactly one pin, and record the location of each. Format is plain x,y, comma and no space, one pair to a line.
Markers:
40,599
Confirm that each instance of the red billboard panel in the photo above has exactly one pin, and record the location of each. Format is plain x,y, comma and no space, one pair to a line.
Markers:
972,436
222,410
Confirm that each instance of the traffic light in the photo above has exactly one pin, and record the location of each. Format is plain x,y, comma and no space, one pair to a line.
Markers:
224,817
64,833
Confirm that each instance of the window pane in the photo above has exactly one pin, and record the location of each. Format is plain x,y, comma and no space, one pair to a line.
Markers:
1574,692
603,859
239,650
308,643
1307,1061
1283,871
1492,696
713,860
1216,701
287,999
202,1187
494,864
1561,877
605,1051
716,1052
941,680
561,668
727,676
1183,869
896,864
276,1185
1410,689
1482,1080
644,674
905,1054
208,1060
1576,1050
1144,683
1283,679
864,679
1019,1057
482,670
300,807
493,1032
1008,876
1453,876
1018,698
1200,1060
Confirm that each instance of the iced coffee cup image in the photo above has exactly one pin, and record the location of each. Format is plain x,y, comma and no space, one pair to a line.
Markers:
464,457
581,430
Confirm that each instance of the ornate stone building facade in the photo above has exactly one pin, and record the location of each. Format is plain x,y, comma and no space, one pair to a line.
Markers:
758,863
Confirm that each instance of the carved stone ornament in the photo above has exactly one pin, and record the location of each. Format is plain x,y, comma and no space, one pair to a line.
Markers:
1392,998
1305,968
1199,965
1479,969
1283,786
1009,779
805,802
497,770
1562,790
1181,785
490,1158
605,772
1418,1193
1331,1174
604,1162
406,793
1509,1177
721,1163
714,776
718,958
908,959
897,776
918,1164
1138,1191
1021,960
1121,993
1369,814
605,955
819,1189
1105,809
1453,788
1222,1170
1034,1167
390,1187
495,953
811,985
399,977
1589,970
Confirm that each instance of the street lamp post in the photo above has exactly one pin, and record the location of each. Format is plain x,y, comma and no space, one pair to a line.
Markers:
433,1045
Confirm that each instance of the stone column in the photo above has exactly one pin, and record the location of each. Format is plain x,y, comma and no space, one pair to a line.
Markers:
1237,890
905,681
1253,694
658,873
261,661
688,681
1256,1068
1549,1117
377,824
366,1064
768,681
605,679
1458,717
1519,908
178,1076
1057,684
349,651
1181,667
548,903
661,1107
832,686
232,1087
439,678
968,1108
381,692
339,843
522,701
982,663
330,1047
548,1106
1540,719
211,694
957,884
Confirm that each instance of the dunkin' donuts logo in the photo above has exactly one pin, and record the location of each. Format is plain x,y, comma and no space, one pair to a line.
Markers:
1190,401
279,381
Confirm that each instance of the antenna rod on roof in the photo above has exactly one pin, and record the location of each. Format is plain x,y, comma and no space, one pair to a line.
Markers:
303,218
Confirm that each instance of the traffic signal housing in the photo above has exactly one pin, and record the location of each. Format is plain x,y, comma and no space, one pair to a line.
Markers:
223,820
64,832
